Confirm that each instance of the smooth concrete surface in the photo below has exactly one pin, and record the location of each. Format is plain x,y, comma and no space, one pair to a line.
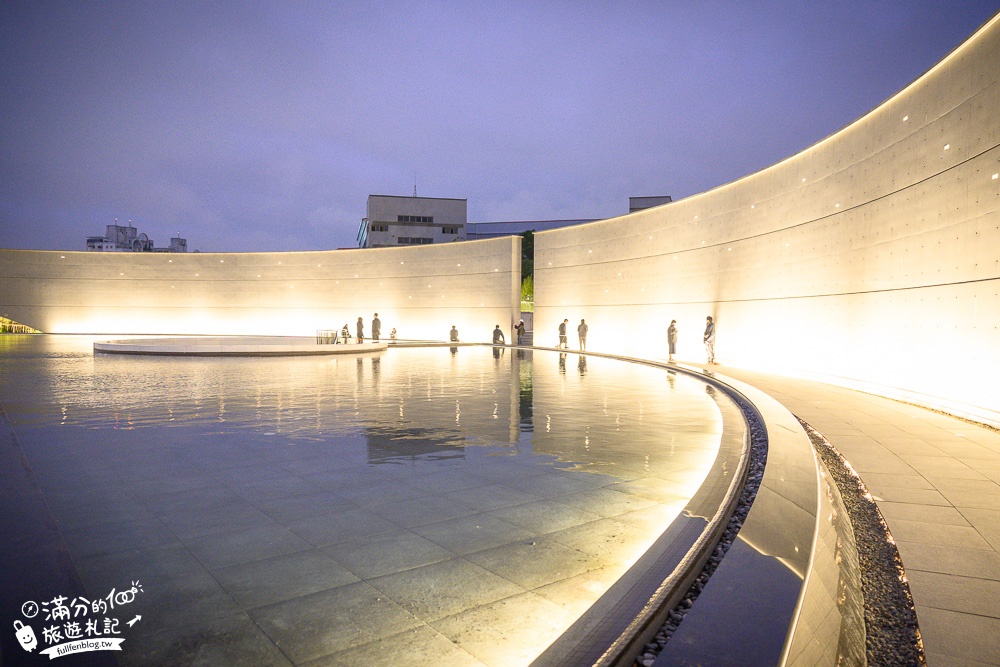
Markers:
936,480
236,346
419,291
872,249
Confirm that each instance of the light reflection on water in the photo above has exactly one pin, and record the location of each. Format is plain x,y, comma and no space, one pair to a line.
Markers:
409,404
533,474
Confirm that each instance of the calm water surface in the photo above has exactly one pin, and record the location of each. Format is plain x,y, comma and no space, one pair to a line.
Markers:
429,505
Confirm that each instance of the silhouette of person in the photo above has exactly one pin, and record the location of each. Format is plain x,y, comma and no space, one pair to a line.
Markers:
710,339
672,339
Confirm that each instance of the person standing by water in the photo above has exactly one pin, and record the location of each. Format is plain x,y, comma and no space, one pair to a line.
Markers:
563,344
520,331
710,338
581,332
361,330
672,339
376,328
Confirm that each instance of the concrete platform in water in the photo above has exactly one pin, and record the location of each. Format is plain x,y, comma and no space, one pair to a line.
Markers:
241,346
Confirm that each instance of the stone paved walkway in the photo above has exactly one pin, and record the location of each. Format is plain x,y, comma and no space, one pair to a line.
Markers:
937,482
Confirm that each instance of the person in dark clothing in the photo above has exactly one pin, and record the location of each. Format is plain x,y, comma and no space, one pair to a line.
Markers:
581,332
710,339
520,331
453,334
498,338
562,335
672,339
376,328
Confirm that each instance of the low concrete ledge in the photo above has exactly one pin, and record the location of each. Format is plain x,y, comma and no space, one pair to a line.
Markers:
782,594
233,346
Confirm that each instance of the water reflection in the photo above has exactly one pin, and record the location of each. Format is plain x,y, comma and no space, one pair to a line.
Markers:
406,404
416,467
401,445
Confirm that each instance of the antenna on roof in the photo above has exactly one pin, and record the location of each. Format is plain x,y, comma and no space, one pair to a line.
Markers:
414,184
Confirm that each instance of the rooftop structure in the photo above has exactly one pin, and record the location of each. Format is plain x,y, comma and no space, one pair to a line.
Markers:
126,238
642,203
489,230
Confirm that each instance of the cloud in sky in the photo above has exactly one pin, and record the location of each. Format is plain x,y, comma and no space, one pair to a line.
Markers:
264,126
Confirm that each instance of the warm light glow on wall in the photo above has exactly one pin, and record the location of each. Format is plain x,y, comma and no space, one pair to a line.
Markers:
257,293
879,267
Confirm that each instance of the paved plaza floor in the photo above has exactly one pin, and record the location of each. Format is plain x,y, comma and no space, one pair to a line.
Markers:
936,480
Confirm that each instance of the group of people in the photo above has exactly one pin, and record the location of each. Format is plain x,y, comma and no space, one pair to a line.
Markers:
345,333
581,334
708,338
498,337
581,331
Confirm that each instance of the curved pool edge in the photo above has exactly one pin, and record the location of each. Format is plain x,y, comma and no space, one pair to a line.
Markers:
787,531
627,615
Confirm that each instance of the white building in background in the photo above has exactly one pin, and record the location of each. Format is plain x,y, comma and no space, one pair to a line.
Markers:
126,238
394,221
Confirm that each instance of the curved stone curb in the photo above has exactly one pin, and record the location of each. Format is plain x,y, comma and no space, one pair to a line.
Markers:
617,627
783,562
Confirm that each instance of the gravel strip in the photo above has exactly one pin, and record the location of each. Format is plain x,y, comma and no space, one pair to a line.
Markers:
892,634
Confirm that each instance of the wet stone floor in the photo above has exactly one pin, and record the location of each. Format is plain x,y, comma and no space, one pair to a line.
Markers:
428,506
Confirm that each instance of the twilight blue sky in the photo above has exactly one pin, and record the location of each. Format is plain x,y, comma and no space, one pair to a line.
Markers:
264,125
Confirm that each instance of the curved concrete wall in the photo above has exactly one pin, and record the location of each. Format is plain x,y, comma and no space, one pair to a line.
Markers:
873,255
420,291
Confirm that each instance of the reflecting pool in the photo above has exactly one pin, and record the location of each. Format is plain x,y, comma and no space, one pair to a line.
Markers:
429,505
